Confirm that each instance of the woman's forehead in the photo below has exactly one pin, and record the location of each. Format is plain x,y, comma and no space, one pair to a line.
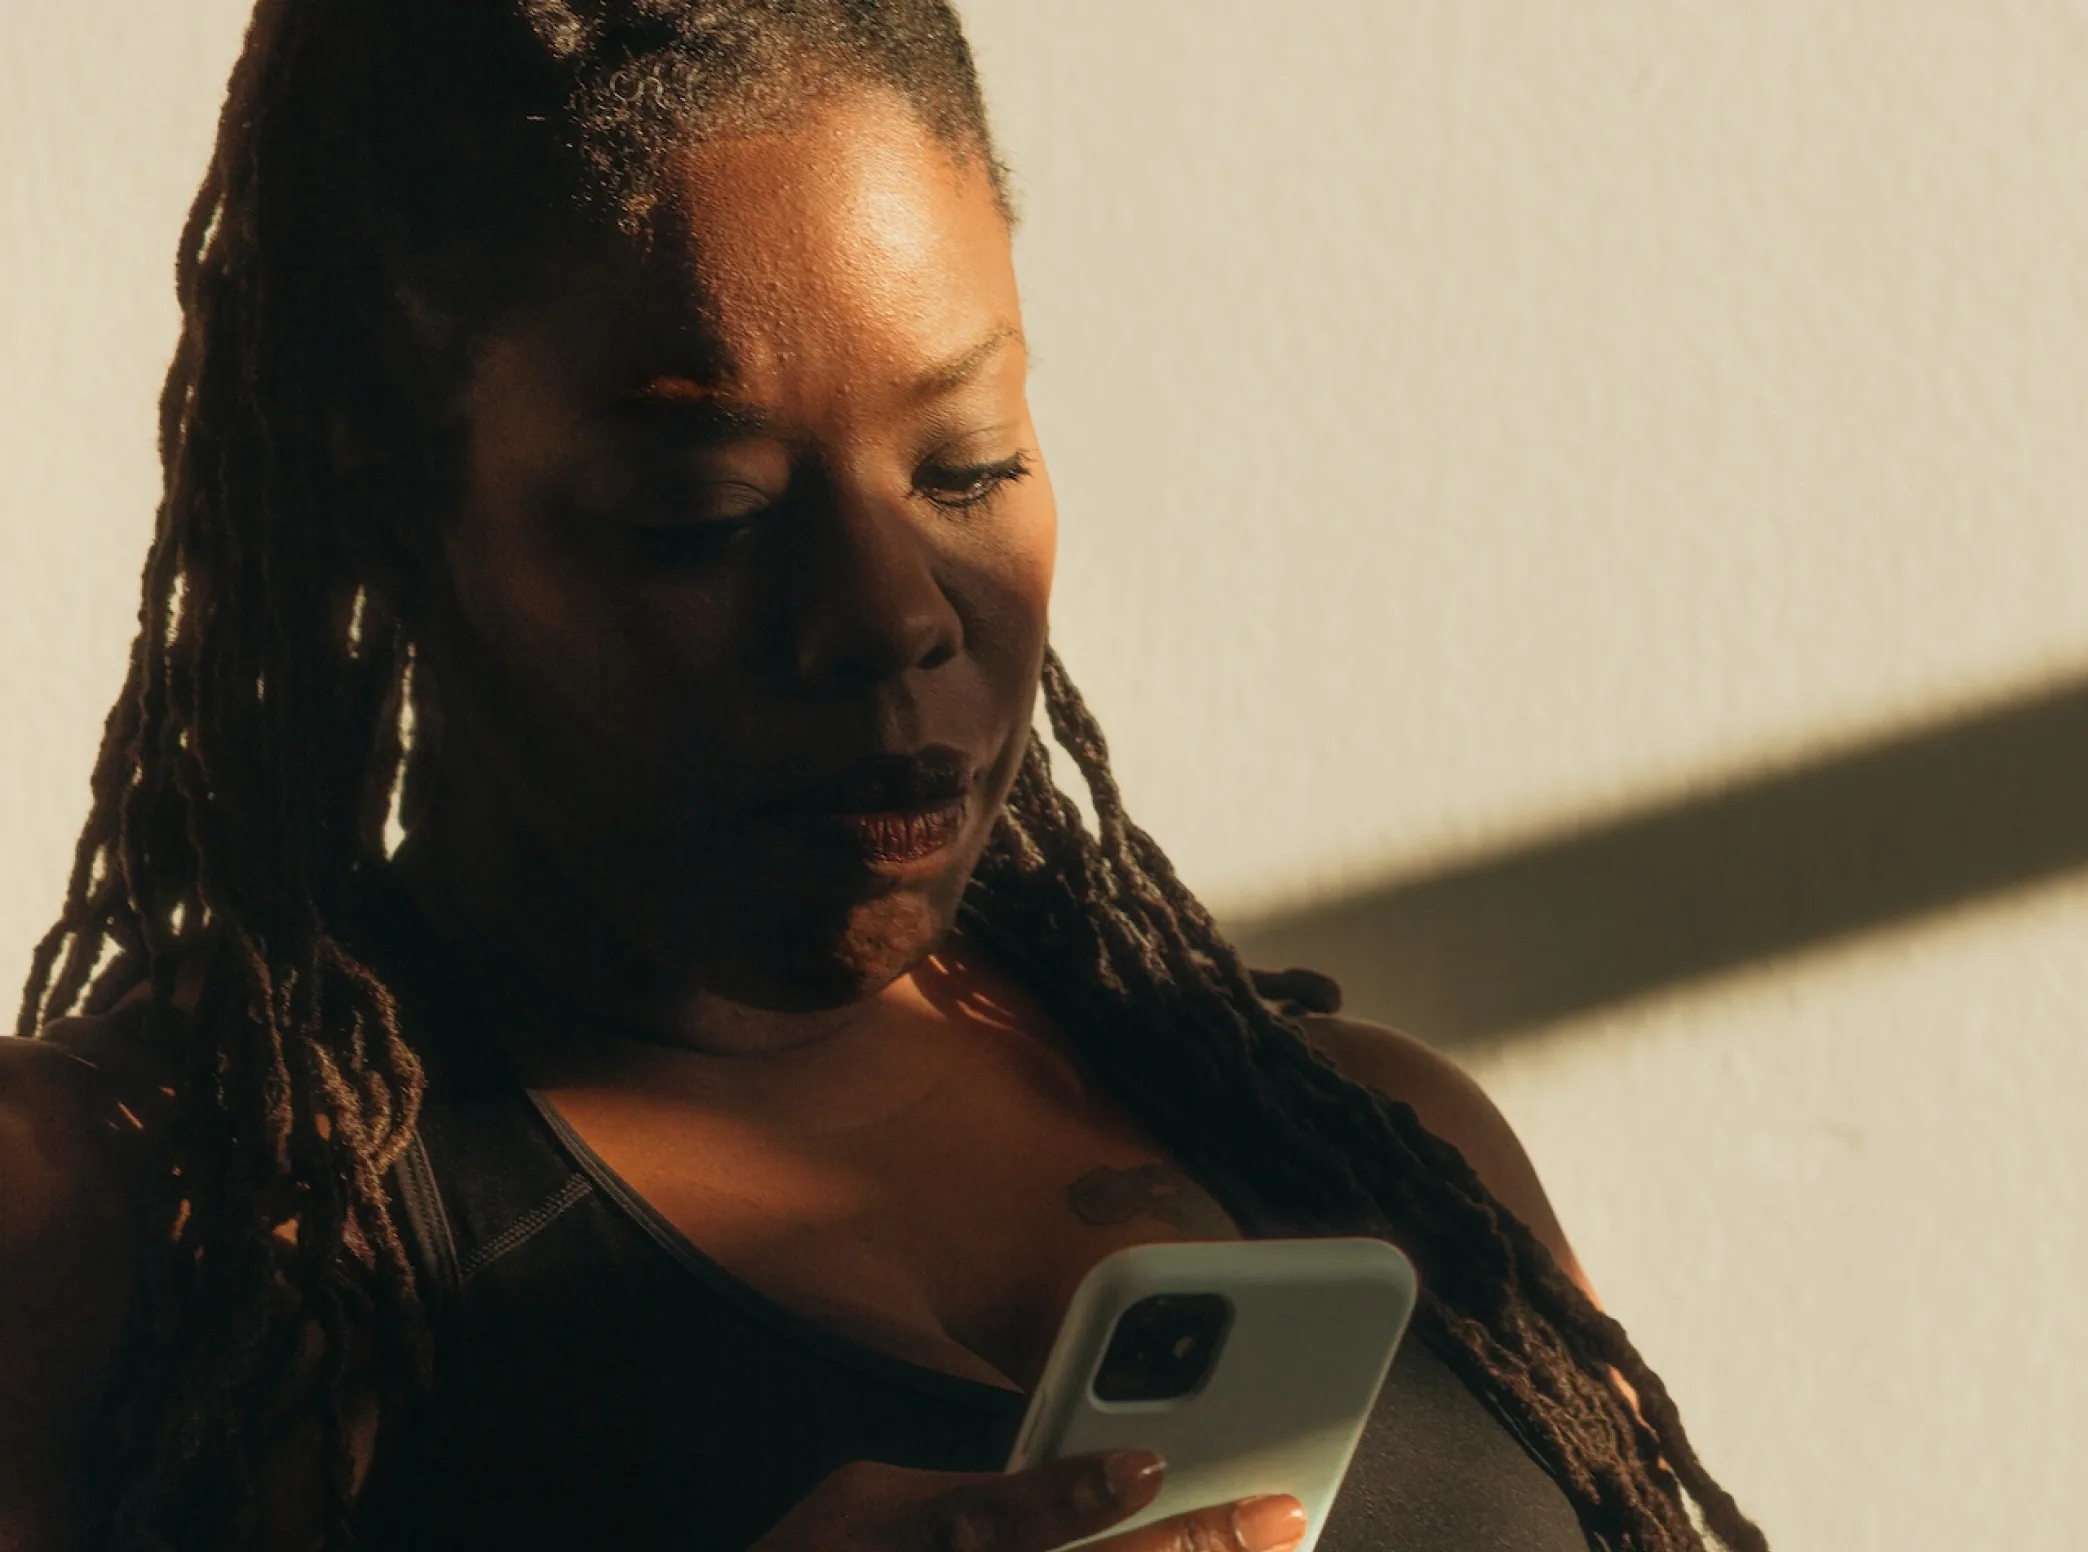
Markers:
851,240
856,211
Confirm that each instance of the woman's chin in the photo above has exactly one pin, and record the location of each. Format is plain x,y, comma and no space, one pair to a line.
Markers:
808,961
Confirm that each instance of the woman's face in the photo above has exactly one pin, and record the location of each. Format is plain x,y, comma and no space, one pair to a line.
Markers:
746,598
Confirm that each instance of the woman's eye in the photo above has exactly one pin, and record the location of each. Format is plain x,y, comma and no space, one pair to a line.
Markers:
970,485
695,522
707,501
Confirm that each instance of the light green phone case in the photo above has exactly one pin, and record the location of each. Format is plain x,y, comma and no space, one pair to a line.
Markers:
1315,1323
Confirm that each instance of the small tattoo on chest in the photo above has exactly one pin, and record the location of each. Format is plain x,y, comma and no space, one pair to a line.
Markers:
1106,1196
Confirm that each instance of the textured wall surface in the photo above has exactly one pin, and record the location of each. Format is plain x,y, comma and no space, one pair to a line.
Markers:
1473,421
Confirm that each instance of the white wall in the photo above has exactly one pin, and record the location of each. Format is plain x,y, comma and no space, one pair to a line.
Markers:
1523,408
107,109
1469,417
1474,417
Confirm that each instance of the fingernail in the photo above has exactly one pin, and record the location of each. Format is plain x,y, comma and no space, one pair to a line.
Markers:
1269,1524
1131,1473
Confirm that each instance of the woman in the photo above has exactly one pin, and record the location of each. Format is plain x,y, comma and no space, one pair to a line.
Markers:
608,417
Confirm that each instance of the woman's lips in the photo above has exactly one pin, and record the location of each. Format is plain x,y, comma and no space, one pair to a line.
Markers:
890,814
886,838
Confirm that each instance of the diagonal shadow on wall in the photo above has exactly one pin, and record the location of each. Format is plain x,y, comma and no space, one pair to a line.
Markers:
1762,866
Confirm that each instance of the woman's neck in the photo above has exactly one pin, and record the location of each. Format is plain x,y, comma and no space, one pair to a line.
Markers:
560,970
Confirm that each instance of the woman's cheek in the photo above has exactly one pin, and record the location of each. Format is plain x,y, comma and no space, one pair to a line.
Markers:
1040,553
1019,553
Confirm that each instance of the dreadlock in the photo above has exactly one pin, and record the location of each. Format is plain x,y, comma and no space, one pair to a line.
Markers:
384,173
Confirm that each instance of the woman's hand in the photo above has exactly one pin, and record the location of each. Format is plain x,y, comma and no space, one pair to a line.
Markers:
866,1507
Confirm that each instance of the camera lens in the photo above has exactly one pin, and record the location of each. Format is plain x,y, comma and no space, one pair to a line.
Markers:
1163,1347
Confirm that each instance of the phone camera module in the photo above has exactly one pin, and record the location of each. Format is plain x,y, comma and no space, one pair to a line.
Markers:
1163,1347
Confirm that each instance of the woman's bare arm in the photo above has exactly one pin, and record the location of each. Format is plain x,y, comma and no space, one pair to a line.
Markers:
68,1256
1456,1109
66,1265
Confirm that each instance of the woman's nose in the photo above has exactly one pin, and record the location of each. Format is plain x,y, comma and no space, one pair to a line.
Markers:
870,606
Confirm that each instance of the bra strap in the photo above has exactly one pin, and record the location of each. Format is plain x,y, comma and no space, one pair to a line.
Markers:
429,1239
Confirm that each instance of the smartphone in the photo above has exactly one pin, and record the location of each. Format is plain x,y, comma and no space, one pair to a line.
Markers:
1251,1365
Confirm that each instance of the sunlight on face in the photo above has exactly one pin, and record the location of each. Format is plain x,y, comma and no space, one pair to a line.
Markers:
747,508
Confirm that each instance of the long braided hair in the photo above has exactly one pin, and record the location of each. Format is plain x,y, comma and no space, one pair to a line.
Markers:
384,174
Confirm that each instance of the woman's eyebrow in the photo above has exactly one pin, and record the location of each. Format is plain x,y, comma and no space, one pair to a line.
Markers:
959,370
708,412
695,410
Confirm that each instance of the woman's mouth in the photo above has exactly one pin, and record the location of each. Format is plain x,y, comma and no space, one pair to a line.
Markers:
885,838
888,813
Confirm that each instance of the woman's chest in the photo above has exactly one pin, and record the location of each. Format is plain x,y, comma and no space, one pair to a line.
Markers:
950,1232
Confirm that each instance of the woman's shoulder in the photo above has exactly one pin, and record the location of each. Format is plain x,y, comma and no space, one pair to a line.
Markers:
1448,1099
71,1131
77,1104
80,1106
1451,1104
93,1081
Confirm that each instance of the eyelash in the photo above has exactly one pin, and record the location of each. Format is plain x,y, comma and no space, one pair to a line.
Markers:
977,483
